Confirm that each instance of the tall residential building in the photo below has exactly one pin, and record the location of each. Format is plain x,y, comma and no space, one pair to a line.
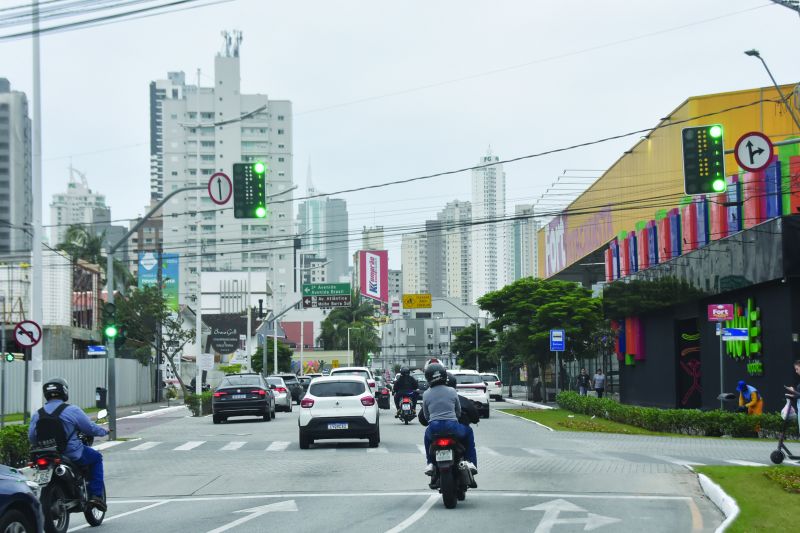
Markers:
456,220
372,238
16,181
490,265
435,255
413,253
78,205
395,285
524,243
197,131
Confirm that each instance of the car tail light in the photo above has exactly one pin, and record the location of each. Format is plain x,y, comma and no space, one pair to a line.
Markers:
219,394
261,392
281,389
498,383
367,400
371,383
307,403
443,442
42,462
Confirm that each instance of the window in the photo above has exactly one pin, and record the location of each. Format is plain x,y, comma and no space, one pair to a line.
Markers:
280,132
281,160
333,389
412,331
280,117
281,146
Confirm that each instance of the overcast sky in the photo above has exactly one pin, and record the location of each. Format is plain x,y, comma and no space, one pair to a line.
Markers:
581,70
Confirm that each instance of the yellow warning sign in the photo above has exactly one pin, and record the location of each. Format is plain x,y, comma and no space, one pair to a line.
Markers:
417,301
335,363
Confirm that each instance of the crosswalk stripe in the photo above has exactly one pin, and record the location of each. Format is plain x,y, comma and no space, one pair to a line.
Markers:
107,444
743,463
487,451
675,461
234,445
189,445
538,453
278,446
377,450
145,446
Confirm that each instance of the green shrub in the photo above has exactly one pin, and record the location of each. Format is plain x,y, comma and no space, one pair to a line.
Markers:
14,445
192,401
231,369
682,421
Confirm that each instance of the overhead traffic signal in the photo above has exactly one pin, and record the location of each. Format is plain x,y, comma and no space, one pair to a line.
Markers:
249,190
703,159
110,328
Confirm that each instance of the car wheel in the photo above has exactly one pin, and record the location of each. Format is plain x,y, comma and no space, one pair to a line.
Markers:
15,521
375,438
305,441
216,419
486,413
289,409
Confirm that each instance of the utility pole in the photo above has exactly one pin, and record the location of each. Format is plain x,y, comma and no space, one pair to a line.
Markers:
198,382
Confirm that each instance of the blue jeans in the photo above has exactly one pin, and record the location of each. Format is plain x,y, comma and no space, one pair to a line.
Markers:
463,432
93,459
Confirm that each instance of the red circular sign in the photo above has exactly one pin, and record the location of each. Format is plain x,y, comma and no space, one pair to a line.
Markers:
753,151
27,333
220,188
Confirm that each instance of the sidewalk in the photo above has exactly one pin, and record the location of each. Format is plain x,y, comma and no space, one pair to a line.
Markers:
121,411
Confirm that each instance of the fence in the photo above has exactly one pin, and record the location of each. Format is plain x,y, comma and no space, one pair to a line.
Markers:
134,381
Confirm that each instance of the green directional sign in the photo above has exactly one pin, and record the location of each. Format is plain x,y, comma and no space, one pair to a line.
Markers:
326,289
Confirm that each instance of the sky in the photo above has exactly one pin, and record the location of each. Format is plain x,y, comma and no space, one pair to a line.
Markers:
392,90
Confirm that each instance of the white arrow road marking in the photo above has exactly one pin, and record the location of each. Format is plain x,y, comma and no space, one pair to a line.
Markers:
419,513
278,446
743,463
554,507
114,517
107,444
145,446
233,445
255,512
189,445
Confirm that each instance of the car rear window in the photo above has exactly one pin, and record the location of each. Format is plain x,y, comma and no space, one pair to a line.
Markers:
289,379
241,381
463,379
363,373
489,377
276,381
337,388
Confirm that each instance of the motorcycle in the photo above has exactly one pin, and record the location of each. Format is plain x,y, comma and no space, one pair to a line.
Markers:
451,475
407,411
63,487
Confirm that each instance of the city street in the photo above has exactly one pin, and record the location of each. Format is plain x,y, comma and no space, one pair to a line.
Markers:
248,475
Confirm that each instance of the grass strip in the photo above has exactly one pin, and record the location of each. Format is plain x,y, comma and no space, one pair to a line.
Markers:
563,420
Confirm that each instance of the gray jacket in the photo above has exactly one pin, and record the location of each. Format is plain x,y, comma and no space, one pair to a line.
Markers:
441,403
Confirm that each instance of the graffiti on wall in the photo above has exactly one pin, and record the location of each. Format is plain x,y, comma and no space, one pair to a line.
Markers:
748,317
690,387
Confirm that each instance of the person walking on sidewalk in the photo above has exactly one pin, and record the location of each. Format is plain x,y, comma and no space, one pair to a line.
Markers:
750,401
584,381
599,382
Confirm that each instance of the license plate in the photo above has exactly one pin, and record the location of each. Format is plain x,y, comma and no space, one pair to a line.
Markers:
42,477
406,407
238,396
444,455
338,425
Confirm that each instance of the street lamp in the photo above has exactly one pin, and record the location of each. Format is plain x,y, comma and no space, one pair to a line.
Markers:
755,53
477,327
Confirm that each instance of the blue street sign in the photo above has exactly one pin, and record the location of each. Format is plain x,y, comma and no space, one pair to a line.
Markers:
557,340
96,350
734,334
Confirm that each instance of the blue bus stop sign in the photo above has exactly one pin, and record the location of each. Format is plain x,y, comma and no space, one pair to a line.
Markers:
557,340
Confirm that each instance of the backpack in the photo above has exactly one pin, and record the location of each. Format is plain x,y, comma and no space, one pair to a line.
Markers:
50,429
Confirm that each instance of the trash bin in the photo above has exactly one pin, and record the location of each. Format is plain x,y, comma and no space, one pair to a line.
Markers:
100,398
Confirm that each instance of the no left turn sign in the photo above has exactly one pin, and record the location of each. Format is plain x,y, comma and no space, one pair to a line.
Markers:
753,151
27,333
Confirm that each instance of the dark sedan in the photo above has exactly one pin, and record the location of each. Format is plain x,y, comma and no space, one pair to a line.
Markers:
295,387
20,510
243,395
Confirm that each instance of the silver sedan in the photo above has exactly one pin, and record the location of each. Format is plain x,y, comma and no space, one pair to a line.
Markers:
283,396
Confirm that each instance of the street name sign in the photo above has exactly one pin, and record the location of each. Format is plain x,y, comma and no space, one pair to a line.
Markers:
96,349
417,301
327,302
220,188
557,340
753,151
720,312
734,334
326,289
27,333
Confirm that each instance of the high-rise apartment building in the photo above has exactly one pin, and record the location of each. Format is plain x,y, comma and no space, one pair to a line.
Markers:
524,243
413,253
372,238
435,256
16,181
395,285
490,265
456,218
79,205
197,131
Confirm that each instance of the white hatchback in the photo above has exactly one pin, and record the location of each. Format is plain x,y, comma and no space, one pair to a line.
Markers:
494,385
340,406
470,385
362,371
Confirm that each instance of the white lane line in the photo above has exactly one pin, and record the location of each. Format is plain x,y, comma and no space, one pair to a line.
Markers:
488,451
676,461
421,449
743,463
278,446
114,517
548,428
107,444
158,412
377,450
233,445
419,513
189,445
145,446
539,453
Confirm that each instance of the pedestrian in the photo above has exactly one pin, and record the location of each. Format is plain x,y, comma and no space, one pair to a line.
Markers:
794,392
750,401
599,382
583,382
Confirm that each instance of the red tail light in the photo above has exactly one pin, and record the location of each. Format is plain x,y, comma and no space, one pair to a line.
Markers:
443,442
281,389
367,400
498,383
42,462
261,392
406,400
371,383
218,394
307,403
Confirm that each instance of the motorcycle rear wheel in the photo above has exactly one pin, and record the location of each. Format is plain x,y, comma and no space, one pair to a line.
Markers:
56,515
447,486
95,516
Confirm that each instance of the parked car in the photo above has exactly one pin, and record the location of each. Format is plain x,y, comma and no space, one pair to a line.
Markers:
294,385
20,510
242,395
470,385
340,406
283,397
305,380
494,385
362,371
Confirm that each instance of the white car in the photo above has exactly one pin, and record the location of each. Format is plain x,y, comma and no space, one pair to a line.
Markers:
494,385
340,406
362,371
470,385
283,396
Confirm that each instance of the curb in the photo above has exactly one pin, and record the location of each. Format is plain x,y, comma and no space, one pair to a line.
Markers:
528,404
724,501
156,412
548,428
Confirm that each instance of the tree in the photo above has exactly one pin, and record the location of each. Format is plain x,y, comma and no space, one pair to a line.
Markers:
79,243
333,334
464,346
363,341
284,358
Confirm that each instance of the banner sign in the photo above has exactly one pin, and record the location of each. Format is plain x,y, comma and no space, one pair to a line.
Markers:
374,274
720,312
170,272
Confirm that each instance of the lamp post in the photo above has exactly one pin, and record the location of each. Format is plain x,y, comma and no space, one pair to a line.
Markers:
477,328
756,54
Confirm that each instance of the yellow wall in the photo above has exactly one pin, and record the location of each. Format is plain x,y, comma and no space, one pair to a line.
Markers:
650,176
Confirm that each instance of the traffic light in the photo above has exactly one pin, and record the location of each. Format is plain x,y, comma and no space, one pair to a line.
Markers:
703,159
110,329
249,190
10,357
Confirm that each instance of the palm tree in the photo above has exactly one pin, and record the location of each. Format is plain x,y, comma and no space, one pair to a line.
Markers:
88,246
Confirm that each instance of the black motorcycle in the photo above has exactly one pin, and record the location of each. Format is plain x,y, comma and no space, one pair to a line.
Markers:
63,488
451,475
407,411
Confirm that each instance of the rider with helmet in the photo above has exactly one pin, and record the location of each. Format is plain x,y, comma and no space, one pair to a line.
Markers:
442,408
405,385
59,421
469,413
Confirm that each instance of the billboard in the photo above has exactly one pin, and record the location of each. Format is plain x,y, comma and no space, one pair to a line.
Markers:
148,275
374,274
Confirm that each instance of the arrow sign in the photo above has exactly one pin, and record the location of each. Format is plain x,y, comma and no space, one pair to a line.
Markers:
554,508
255,512
27,333
220,188
753,151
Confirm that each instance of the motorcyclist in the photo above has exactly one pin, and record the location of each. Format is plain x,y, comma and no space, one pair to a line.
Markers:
41,433
469,413
441,406
405,385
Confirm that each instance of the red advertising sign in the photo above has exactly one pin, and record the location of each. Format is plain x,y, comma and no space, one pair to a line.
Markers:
374,274
720,312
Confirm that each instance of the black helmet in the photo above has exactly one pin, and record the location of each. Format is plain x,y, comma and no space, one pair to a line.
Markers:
451,380
435,374
405,371
56,388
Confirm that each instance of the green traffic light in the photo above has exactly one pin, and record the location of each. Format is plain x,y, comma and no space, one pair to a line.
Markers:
718,185
10,357
261,211
111,331
715,131
259,167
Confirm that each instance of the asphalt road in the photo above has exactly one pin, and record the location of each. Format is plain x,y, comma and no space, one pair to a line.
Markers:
247,476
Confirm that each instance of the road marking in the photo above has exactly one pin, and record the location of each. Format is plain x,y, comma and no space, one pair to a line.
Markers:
675,461
234,445
255,512
419,513
107,444
548,428
697,516
377,450
421,449
278,446
157,412
539,453
488,451
743,463
554,508
114,517
145,446
189,445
